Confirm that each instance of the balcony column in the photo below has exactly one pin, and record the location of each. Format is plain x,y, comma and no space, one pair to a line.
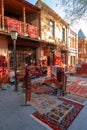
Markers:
2,13
24,21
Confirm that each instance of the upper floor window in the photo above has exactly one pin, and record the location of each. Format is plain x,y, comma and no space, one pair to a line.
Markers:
63,34
51,28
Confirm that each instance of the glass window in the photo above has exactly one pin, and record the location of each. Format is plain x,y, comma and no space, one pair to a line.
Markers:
51,28
63,34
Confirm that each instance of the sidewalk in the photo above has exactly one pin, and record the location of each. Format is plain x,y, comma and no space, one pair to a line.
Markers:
15,116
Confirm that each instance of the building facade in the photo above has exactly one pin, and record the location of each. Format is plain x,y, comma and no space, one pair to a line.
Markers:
72,48
82,47
25,19
53,36
43,36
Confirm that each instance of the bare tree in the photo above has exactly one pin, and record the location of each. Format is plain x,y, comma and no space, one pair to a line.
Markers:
74,9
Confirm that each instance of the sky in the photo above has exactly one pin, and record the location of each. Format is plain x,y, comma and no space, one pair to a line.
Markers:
76,26
49,2
52,4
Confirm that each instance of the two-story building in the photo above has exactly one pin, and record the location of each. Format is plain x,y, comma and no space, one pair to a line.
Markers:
23,17
53,36
42,34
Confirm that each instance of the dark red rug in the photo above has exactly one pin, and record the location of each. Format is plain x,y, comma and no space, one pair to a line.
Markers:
60,117
78,88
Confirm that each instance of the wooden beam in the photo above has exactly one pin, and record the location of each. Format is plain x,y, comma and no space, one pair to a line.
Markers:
2,13
24,19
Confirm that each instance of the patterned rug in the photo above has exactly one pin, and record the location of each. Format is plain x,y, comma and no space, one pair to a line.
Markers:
61,116
39,85
78,88
80,75
43,103
42,89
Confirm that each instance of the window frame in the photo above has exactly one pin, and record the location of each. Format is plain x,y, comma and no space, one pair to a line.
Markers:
63,34
52,28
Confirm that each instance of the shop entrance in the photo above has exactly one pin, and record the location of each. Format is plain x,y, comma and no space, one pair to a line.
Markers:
24,55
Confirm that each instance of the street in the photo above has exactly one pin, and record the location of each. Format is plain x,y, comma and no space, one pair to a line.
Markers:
14,115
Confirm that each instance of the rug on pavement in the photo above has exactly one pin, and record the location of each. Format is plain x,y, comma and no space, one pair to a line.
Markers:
42,89
80,75
43,103
78,88
60,117
71,80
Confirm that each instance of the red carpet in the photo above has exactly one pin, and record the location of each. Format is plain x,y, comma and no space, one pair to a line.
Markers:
78,88
84,68
60,117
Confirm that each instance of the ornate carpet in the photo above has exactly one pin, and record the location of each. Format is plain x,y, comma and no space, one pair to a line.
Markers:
43,103
61,116
39,85
78,88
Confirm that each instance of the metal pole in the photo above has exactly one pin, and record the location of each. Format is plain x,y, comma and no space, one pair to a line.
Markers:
15,66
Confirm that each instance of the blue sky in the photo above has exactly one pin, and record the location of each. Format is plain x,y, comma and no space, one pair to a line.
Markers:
49,2
52,4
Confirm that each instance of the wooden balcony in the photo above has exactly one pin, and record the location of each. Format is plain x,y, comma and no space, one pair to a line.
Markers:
23,29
